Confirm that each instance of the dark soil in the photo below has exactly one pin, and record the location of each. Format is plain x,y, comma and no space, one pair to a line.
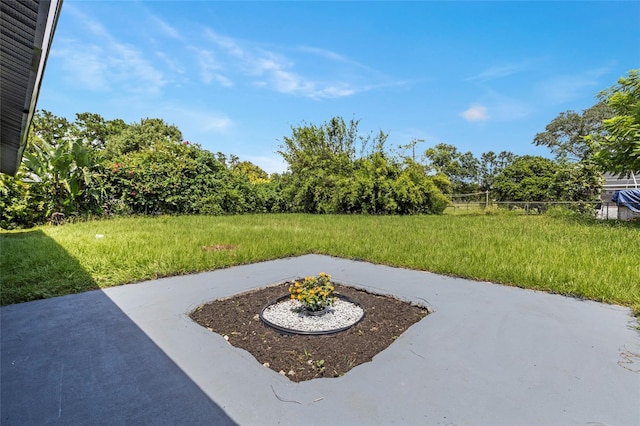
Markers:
302,357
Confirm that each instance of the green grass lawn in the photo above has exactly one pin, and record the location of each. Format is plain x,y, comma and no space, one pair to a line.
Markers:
589,259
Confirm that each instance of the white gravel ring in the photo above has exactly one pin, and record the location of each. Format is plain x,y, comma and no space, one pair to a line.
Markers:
283,315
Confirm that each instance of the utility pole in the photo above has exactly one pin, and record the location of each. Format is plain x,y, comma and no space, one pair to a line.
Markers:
414,141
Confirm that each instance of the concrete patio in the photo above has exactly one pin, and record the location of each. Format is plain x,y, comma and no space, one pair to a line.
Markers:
487,355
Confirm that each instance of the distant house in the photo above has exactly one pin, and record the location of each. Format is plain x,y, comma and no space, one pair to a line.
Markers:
612,184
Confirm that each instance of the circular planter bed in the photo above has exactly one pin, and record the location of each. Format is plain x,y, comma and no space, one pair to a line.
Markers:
289,317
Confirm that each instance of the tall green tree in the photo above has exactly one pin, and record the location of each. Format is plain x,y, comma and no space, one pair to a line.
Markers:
581,181
48,127
333,144
535,178
95,130
565,135
619,150
318,157
139,136
528,178
462,169
491,165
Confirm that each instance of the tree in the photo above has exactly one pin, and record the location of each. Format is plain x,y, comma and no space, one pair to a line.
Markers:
48,127
534,178
462,169
138,136
619,151
416,192
528,178
370,187
581,181
411,145
318,158
254,173
326,177
333,144
95,130
565,135
491,165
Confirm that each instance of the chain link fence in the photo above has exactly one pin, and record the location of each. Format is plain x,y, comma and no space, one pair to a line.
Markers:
606,210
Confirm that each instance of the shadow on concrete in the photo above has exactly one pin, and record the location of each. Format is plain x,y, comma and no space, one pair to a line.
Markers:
80,360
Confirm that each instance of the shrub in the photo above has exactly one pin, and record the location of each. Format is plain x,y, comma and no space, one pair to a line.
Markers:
22,204
171,178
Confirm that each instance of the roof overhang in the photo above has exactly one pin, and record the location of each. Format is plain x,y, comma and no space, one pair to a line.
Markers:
613,182
27,28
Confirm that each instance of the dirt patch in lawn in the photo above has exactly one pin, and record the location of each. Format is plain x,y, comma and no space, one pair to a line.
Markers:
301,357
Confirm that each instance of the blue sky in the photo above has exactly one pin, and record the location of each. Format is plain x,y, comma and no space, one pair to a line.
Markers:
236,76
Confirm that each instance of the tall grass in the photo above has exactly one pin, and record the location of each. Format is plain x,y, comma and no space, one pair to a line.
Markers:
589,259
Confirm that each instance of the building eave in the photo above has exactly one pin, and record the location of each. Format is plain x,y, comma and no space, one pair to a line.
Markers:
27,29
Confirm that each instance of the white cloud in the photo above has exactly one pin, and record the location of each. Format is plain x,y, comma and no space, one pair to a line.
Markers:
500,71
198,123
198,119
170,62
509,109
353,65
337,91
222,80
127,64
475,113
328,54
84,64
565,88
165,28
505,108
103,62
216,123
228,44
209,68
270,69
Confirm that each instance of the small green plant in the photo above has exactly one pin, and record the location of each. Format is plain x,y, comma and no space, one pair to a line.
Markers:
315,293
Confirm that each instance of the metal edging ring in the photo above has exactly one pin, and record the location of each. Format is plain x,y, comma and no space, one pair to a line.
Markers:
291,331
